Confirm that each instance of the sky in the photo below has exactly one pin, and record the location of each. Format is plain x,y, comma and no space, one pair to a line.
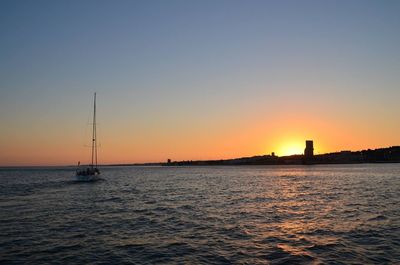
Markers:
190,80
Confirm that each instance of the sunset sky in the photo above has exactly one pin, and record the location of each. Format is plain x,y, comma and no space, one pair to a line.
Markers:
190,80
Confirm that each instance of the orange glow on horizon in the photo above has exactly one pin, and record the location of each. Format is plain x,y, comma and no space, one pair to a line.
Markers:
213,138
291,148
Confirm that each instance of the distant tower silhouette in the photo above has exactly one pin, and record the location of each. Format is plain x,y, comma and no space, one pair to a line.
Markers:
309,151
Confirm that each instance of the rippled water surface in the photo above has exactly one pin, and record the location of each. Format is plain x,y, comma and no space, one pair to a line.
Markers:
342,214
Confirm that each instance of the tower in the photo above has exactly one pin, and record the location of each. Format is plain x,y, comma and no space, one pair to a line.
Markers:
309,151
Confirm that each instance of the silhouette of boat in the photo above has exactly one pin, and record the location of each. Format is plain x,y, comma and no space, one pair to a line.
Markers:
91,173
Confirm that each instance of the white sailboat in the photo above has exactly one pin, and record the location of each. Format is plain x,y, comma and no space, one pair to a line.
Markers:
91,173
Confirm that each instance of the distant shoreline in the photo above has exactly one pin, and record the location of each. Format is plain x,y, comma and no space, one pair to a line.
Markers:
380,155
193,165
369,156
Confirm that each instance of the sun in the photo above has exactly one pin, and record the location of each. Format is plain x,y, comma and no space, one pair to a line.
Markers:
292,148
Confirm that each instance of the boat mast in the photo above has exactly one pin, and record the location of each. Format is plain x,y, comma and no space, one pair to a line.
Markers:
95,129
94,144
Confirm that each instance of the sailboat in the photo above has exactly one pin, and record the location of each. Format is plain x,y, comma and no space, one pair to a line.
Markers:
91,173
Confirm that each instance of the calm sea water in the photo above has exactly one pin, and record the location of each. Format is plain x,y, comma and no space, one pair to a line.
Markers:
342,214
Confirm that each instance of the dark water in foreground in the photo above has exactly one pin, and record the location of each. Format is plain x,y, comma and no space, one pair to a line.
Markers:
203,215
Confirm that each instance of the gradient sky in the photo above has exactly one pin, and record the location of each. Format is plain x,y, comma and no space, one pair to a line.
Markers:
196,79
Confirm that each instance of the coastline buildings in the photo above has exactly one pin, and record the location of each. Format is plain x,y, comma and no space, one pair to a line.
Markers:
380,155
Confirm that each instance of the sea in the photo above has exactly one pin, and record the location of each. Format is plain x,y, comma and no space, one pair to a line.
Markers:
318,214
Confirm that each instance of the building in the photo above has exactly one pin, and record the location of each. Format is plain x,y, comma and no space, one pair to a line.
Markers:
309,151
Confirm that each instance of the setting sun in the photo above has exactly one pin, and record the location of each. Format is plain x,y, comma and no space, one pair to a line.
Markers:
291,148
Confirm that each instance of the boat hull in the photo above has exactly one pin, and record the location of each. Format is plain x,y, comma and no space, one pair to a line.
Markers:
87,178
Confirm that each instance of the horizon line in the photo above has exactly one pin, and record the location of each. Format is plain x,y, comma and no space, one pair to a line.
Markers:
160,162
